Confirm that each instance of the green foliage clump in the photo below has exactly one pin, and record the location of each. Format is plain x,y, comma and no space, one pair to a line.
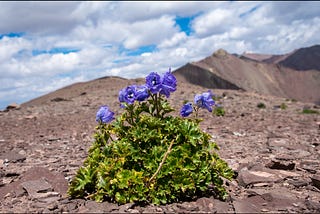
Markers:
261,105
147,155
219,111
283,106
310,111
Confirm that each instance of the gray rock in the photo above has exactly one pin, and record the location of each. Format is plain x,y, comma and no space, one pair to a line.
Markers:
56,180
298,183
96,207
247,177
248,205
13,156
34,187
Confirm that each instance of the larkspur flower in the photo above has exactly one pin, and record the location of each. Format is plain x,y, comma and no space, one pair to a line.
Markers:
121,95
142,92
168,84
186,109
204,100
129,94
104,115
153,82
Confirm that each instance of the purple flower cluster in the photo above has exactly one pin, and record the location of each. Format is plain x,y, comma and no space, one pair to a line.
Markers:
133,93
154,83
104,115
162,84
203,100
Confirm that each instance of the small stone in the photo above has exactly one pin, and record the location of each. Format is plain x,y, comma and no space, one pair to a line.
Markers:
12,156
261,184
12,106
316,181
125,207
313,205
248,205
285,157
247,177
133,211
49,198
298,183
274,164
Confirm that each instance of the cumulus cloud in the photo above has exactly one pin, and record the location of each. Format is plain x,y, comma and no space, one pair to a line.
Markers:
59,43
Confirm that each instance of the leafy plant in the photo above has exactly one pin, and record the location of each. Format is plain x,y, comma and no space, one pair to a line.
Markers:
283,106
310,111
261,105
219,111
147,155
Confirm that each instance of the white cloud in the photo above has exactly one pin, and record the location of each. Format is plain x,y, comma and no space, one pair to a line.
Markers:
99,31
212,23
11,46
175,40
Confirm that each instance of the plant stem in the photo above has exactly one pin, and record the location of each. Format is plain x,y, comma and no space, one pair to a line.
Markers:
162,161
157,105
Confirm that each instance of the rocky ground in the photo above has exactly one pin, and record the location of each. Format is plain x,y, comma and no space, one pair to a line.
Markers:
275,152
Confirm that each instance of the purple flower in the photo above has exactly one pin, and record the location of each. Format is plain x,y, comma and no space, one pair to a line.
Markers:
104,115
186,109
122,95
169,84
204,100
142,92
153,82
129,94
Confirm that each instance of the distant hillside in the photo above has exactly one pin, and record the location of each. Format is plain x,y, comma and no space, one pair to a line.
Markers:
227,71
303,59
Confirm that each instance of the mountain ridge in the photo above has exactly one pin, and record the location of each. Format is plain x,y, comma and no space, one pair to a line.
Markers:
260,73
265,75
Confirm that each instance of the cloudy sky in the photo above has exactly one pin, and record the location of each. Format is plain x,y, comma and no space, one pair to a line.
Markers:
47,45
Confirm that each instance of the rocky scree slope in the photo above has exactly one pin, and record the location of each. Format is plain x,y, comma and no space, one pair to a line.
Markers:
274,151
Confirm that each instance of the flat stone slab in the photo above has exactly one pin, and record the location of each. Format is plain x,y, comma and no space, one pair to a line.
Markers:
272,201
247,177
263,175
56,180
13,156
34,187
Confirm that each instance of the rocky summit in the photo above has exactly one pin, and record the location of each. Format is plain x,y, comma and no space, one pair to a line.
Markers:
273,147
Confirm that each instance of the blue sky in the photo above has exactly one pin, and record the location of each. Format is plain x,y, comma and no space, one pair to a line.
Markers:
56,44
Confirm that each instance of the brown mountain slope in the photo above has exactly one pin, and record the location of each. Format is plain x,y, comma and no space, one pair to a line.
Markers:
223,70
303,59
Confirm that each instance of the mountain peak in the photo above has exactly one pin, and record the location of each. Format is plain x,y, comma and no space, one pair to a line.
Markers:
220,53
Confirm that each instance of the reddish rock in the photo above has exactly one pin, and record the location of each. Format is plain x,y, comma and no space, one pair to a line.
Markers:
13,106
56,180
247,177
13,156
34,187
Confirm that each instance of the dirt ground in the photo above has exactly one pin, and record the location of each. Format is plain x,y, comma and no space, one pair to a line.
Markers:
274,152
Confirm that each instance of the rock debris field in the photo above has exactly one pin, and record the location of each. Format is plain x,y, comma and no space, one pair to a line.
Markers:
274,151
